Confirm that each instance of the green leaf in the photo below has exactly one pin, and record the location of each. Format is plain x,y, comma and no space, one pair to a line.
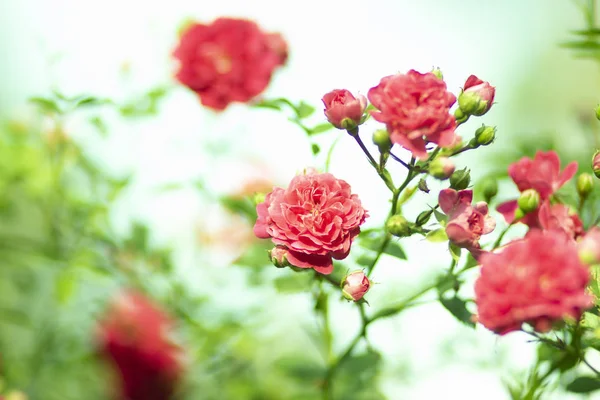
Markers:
583,384
440,217
582,45
454,251
315,149
294,282
304,110
395,250
364,260
243,206
324,127
437,236
587,32
373,240
92,101
100,125
458,308
46,105
65,286
139,237
255,256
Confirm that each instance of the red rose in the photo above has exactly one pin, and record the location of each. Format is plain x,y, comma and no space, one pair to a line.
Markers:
538,280
230,60
134,335
343,110
416,110
315,218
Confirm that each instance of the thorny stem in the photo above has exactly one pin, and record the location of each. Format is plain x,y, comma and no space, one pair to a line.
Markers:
499,240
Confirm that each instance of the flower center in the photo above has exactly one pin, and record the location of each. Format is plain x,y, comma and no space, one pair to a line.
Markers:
220,60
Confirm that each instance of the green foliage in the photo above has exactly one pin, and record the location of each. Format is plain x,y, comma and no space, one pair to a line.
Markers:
584,384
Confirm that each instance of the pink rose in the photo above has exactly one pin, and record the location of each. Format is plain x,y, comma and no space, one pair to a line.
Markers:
539,280
315,218
134,334
416,110
541,174
466,222
229,60
477,96
559,217
343,110
355,285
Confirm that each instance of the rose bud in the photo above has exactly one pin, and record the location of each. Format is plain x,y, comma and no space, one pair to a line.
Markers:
278,256
438,72
460,179
343,110
355,285
399,226
485,135
528,201
585,185
489,188
588,247
441,168
596,164
381,138
477,96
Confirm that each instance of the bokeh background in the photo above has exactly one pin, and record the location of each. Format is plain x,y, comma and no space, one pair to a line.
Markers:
251,336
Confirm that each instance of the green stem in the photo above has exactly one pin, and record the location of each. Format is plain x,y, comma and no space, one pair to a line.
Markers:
380,251
499,240
389,311
330,152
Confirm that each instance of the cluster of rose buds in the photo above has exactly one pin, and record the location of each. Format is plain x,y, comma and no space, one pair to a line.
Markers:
134,335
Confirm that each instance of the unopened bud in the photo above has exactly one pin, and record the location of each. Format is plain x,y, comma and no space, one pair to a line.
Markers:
596,164
381,138
278,256
529,201
588,247
441,168
597,112
477,97
423,217
489,189
355,285
460,179
398,226
485,135
585,185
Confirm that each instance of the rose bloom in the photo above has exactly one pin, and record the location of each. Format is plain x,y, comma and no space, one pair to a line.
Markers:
482,91
229,60
416,110
342,109
541,174
315,218
466,222
560,218
538,280
133,334
355,285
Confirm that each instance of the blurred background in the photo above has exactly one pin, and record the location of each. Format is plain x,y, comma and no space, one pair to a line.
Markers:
152,194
